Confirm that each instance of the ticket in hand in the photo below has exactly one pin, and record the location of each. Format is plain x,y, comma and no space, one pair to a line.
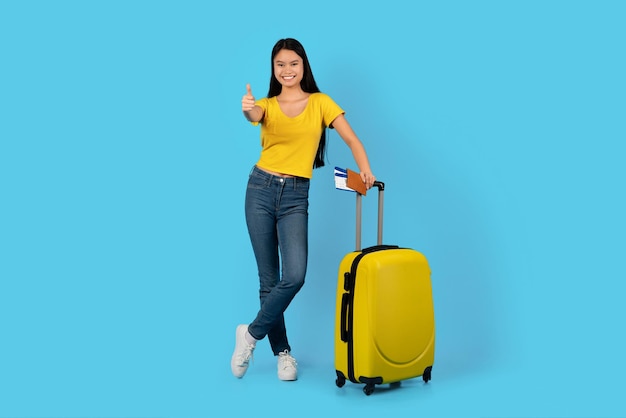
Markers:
341,179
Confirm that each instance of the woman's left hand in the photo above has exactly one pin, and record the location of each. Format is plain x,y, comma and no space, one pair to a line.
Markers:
368,178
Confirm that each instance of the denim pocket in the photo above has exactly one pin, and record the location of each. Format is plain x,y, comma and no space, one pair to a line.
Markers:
302,187
258,181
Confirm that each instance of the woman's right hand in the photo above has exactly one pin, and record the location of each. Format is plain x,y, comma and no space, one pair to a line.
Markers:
247,102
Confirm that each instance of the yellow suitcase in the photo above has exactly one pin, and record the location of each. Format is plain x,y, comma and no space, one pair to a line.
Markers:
385,325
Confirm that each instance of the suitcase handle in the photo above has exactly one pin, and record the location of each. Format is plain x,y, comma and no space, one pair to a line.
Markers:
345,300
379,248
381,190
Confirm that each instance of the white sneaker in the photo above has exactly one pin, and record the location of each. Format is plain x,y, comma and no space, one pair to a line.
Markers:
243,352
287,366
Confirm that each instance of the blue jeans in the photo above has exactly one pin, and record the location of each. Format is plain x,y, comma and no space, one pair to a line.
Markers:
277,219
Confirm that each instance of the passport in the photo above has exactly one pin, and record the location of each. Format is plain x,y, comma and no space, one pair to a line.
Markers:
346,179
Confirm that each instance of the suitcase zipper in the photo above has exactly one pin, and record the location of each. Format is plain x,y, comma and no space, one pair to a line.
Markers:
347,304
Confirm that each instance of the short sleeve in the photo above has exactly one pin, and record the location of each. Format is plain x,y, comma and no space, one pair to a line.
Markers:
330,109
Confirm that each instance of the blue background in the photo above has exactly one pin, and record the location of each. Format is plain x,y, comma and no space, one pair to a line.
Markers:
498,127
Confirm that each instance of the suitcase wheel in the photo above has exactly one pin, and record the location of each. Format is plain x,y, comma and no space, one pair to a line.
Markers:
427,374
341,379
369,389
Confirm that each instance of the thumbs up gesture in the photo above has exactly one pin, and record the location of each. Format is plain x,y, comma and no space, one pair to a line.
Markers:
247,102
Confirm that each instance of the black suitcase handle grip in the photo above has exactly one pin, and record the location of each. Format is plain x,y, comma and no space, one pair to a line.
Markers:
379,248
345,301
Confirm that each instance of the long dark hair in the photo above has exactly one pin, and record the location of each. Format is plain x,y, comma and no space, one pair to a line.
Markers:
307,84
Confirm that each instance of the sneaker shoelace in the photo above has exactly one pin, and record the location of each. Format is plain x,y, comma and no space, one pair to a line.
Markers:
286,361
244,357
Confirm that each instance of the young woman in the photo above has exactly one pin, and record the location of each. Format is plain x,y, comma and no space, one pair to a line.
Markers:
293,119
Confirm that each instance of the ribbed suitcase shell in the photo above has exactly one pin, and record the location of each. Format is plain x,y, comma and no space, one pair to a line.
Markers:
385,325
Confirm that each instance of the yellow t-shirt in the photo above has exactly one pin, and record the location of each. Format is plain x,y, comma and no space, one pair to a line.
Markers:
289,145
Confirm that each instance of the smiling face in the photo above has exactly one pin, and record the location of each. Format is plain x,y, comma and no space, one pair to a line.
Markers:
288,68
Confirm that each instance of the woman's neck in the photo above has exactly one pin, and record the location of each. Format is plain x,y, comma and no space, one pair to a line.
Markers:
292,93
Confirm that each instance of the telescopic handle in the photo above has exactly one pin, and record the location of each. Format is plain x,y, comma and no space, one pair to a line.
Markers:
381,192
